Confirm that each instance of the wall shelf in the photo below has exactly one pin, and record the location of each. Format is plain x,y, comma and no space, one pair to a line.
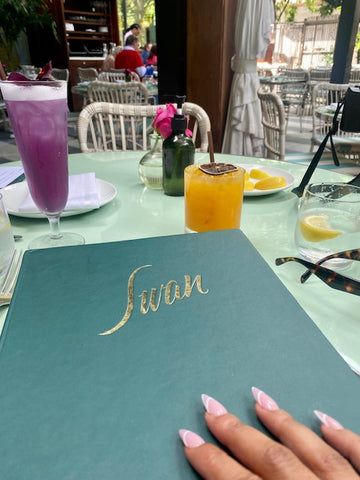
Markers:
73,18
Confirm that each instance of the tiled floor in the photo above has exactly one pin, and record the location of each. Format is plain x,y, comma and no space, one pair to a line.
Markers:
296,141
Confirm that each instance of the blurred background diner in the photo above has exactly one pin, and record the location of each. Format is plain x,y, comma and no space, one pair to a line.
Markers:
152,57
129,58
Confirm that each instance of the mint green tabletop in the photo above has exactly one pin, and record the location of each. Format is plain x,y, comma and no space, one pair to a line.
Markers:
268,221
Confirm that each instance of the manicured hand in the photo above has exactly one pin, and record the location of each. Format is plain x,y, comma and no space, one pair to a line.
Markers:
298,454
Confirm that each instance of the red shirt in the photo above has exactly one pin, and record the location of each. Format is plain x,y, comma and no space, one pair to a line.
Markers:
152,60
129,59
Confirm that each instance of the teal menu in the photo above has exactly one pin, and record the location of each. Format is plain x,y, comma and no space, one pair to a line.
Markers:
107,348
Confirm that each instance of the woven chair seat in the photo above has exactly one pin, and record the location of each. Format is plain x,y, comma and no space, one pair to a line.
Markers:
105,126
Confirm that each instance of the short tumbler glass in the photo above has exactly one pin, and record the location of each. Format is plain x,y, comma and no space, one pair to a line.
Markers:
213,202
328,221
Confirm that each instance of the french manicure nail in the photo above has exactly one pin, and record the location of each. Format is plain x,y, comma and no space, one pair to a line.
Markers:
328,421
212,406
264,400
190,439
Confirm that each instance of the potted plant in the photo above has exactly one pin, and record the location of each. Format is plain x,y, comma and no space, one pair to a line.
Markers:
16,16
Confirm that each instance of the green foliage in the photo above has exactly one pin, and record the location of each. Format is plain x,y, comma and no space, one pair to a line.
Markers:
312,5
286,11
284,8
357,42
15,17
290,13
137,11
327,8
329,58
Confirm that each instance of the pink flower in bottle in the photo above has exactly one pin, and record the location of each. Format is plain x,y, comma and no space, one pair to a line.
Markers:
162,121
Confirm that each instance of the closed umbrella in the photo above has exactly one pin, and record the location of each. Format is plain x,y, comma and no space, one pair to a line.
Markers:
243,130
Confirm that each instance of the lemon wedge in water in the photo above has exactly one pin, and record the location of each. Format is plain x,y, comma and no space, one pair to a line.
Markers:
315,228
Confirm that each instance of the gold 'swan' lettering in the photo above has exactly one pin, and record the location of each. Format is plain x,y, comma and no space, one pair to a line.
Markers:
169,292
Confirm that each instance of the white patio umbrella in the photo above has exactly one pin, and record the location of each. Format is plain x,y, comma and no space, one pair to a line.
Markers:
243,131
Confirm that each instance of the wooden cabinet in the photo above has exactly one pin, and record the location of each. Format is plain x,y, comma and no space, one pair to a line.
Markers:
90,24
83,26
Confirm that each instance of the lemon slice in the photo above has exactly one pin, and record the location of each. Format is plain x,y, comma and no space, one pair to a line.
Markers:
258,174
315,228
270,183
248,186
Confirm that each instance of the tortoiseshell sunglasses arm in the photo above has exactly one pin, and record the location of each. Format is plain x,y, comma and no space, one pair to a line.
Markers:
333,279
349,254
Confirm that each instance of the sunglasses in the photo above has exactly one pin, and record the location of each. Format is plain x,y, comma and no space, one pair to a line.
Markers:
333,279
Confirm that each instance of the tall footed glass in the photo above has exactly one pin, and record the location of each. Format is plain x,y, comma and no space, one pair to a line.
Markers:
38,116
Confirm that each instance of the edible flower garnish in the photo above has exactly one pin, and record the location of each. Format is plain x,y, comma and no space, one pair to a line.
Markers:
44,74
162,121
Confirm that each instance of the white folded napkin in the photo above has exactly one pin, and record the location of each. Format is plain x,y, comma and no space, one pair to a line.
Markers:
9,174
83,194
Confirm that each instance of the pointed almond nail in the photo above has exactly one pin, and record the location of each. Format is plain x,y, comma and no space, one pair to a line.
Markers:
328,421
264,400
212,406
190,439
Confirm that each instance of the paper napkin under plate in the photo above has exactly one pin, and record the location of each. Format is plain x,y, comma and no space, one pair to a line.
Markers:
83,193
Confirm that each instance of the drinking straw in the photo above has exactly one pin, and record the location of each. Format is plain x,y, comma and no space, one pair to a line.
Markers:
211,147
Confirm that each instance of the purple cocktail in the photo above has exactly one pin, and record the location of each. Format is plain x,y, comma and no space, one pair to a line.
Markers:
38,116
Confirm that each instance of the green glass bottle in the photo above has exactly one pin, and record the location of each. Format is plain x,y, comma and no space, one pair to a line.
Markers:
178,153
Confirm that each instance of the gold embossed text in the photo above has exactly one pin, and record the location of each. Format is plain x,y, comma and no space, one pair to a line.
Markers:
168,293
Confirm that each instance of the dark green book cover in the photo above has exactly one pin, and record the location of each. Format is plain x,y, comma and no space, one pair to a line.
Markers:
182,316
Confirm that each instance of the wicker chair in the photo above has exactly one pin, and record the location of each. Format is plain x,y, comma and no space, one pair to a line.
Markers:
114,126
295,95
347,145
274,123
125,92
320,74
87,74
4,121
60,74
115,74
354,75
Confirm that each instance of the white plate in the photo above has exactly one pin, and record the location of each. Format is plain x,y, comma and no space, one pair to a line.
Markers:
14,195
274,172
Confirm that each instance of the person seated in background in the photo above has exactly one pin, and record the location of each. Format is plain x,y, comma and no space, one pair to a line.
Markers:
109,61
129,58
134,29
145,53
152,58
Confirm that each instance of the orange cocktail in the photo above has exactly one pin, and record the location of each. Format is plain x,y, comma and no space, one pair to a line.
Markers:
213,201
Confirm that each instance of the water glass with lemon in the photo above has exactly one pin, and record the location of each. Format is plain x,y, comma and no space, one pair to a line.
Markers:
328,221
